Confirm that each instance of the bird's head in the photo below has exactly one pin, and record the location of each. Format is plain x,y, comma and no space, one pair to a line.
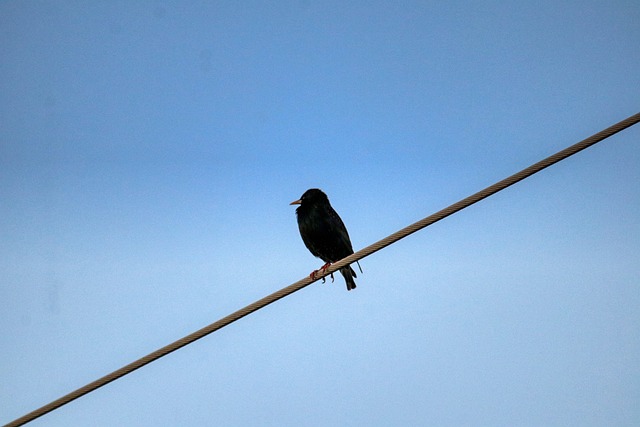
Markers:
312,197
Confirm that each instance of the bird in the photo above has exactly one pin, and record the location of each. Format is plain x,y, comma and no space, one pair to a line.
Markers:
323,232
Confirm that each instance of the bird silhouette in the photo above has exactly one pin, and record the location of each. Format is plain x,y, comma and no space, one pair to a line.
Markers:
323,232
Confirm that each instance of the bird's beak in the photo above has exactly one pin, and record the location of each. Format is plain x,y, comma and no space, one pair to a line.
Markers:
296,202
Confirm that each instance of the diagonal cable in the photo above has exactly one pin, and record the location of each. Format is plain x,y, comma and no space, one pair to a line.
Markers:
492,189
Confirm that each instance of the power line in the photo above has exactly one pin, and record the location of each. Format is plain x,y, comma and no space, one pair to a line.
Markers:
492,189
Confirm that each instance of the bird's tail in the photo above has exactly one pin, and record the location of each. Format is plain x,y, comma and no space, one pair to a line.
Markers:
349,274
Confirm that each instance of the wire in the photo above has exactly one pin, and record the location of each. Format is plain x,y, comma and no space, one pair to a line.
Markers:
474,198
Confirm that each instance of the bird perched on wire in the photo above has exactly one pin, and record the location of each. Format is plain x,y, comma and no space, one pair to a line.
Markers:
324,233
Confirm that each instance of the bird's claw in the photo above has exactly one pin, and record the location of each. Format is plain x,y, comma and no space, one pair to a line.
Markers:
323,268
324,279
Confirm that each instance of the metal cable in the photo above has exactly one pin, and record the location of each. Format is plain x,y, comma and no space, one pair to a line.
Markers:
501,185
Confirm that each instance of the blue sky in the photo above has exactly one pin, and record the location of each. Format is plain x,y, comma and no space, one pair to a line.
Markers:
148,155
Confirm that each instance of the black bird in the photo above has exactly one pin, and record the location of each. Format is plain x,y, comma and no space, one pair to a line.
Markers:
323,232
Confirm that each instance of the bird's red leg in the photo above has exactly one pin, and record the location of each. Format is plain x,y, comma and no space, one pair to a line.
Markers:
323,268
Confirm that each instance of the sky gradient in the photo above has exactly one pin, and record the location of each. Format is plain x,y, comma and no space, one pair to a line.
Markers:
148,155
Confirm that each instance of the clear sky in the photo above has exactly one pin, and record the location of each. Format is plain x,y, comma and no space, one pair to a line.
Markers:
148,155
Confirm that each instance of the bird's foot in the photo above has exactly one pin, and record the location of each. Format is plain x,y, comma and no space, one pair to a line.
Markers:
323,268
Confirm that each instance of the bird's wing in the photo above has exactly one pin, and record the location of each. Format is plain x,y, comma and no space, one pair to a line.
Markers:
341,234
